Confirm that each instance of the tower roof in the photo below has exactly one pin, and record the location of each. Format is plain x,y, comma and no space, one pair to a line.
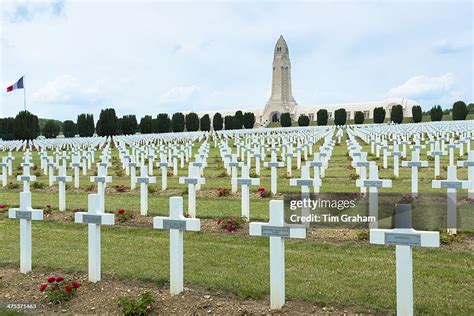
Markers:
281,48
281,42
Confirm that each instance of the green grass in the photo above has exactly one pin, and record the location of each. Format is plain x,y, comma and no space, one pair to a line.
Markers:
322,273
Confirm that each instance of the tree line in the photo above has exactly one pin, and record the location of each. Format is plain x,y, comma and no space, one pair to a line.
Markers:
26,125
459,111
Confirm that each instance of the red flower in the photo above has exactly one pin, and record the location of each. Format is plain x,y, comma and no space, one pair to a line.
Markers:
68,288
261,189
121,211
229,228
48,206
76,284
51,279
2,206
43,287
219,221
229,220
59,279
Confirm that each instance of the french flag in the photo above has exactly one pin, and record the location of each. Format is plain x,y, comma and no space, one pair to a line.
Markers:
17,85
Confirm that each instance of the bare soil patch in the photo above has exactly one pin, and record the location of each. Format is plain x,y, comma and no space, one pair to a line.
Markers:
101,298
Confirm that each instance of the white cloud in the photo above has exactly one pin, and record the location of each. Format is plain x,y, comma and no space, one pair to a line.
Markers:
179,94
66,90
423,86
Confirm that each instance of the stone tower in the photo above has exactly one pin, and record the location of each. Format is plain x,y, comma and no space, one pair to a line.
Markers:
281,100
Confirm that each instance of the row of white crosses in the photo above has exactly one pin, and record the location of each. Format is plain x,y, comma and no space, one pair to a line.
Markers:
276,229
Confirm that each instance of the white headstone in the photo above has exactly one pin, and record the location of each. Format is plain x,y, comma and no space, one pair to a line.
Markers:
94,218
25,214
177,224
277,230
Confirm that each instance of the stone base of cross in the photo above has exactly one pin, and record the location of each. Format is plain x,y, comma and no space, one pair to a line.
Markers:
25,214
277,230
94,218
176,223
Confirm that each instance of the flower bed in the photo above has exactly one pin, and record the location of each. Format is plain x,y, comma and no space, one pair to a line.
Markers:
58,290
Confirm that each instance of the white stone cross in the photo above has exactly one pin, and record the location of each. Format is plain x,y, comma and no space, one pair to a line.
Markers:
176,223
25,214
274,164
163,164
94,217
452,184
245,181
151,158
192,180
44,161
396,157
318,165
469,164
436,153
10,159
62,178
4,165
415,163
144,180
51,165
175,162
133,172
404,238
84,163
451,148
75,164
373,183
258,157
289,155
362,164
385,147
26,177
305,182
233,164
126,159
101,179
277,230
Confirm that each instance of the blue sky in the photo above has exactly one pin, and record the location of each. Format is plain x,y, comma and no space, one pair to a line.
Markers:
149,57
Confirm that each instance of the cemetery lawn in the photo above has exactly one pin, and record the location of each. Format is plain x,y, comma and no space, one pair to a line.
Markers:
323,273
318,270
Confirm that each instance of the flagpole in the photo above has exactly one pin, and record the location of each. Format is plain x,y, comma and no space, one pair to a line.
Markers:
24,93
